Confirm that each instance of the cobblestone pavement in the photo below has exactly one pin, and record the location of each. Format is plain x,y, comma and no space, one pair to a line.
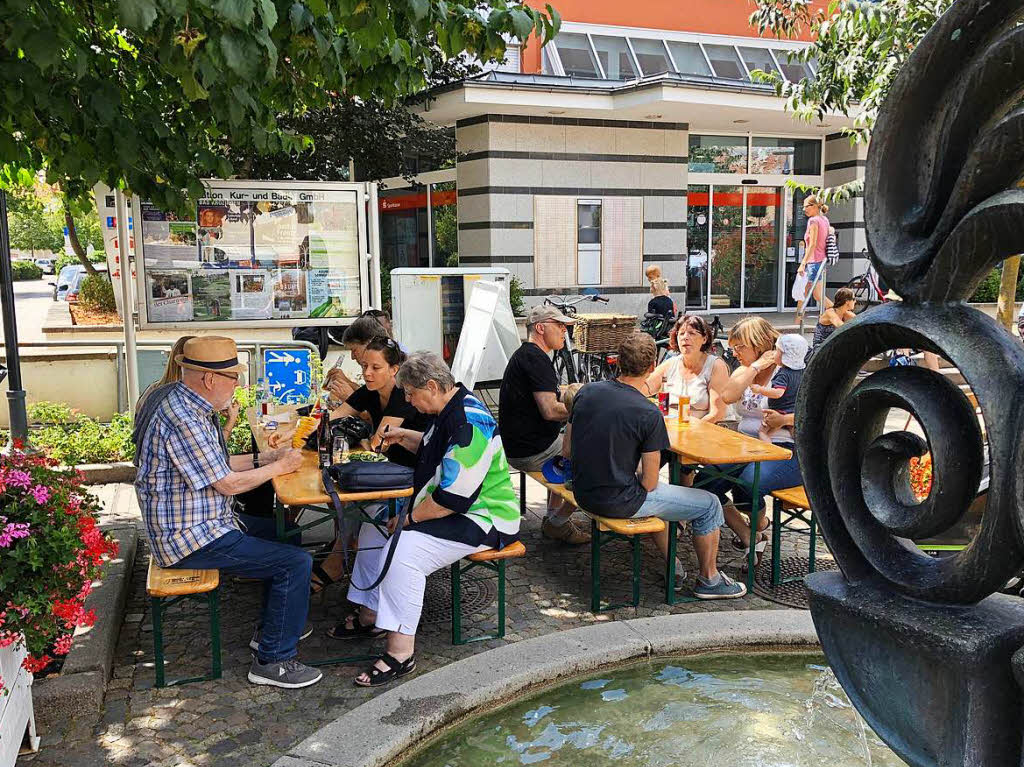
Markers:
230,721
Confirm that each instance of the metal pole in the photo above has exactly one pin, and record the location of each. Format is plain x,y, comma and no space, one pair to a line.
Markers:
15,394
127,307
373,234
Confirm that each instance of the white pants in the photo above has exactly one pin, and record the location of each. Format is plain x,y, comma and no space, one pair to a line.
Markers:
398,600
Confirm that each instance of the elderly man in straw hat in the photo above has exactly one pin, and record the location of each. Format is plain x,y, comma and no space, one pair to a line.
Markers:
185,483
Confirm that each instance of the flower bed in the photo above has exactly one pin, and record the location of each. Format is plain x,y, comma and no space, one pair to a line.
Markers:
921,476
50,553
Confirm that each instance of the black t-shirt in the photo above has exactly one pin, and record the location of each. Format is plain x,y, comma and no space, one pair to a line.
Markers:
363,400
524,431
612,425
661,305
788,379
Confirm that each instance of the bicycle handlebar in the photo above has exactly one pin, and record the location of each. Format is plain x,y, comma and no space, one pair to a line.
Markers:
566,302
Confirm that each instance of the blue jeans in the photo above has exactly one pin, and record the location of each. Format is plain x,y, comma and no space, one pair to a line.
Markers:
684,504
285,570
775,475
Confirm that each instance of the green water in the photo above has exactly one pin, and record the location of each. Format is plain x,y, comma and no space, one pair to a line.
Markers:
707,711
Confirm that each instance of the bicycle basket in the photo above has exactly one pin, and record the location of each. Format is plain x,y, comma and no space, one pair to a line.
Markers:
602,332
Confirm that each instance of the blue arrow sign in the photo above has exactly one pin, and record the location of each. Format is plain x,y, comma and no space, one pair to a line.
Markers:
288,374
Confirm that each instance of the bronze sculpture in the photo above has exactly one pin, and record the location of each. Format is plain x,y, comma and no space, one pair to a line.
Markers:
923,645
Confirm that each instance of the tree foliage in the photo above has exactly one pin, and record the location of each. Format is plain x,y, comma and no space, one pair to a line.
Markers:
148,94
859,47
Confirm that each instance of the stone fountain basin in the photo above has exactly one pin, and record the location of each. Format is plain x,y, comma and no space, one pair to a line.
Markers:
386,728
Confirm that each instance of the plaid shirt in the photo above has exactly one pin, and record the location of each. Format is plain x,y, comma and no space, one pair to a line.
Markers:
180,458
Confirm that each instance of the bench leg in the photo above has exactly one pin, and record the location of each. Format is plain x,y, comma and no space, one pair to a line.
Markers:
501,600
635,540
457,603
776,542
595,568
814,540
755,515
670,566
522,493
213,600
156,604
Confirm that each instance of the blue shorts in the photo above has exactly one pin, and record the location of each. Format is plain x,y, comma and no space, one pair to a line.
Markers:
812,269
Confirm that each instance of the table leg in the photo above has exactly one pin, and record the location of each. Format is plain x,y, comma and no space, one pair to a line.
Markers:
279,511
777,546
755,515
670,566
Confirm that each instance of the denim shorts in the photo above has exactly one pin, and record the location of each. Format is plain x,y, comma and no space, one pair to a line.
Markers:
684,504
812,269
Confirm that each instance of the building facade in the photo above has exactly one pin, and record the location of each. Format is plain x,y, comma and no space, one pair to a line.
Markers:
638,136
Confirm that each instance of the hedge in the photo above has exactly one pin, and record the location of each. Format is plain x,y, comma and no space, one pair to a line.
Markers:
26,270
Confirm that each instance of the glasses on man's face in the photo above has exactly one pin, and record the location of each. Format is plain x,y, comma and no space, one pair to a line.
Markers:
238,378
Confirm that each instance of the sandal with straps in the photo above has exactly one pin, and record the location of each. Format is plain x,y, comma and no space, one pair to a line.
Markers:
355,631
395,670
320,579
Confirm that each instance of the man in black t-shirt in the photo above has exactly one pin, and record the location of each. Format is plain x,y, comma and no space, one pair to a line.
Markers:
616,436
530,415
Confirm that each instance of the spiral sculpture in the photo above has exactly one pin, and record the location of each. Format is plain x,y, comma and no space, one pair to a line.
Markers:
942,208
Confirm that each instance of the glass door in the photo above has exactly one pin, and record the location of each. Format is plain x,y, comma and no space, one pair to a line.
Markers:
734,246
698,223
727,215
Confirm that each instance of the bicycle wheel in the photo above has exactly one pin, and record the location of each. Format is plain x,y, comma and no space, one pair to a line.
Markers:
863,293
564,367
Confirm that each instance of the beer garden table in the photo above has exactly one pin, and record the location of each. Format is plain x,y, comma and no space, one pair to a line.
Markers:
710,445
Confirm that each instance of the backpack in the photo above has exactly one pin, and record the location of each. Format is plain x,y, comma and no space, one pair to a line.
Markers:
831,248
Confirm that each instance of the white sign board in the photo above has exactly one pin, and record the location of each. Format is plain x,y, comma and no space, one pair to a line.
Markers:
489,336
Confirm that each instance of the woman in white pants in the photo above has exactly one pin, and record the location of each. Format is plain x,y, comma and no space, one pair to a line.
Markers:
462,502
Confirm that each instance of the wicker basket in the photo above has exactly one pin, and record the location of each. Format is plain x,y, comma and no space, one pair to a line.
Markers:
601,332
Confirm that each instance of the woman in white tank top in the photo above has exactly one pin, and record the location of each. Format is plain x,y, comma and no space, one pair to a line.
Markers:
695,371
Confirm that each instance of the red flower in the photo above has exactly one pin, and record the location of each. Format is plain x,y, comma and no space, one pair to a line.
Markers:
34,665
63,645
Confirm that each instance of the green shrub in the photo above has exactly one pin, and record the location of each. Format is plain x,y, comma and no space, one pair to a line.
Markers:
515,296
26,270
988,291
97,292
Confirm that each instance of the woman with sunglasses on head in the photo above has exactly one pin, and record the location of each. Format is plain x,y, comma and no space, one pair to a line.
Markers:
813,262
696,372
381,403
373,323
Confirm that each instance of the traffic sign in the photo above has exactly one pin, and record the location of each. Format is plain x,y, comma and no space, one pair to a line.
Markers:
288,373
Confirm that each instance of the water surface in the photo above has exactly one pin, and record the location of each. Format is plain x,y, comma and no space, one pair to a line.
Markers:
751,710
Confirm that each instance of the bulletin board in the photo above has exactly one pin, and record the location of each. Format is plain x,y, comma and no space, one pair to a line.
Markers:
255,254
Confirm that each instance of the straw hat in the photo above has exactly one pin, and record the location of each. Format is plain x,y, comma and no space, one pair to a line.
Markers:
213,354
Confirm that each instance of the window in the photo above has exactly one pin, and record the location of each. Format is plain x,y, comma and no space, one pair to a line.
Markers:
792,69
588,242
718,154
577,58
758,58
651,56
786,156
689,58
725,62
615,57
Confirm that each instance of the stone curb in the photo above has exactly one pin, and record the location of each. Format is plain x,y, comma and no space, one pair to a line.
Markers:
107,473
384,729
77,692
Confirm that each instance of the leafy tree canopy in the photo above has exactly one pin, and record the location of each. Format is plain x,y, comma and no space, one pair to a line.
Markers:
148,93
859,46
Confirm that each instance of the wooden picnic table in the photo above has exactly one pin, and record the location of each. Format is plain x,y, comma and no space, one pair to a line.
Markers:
711,445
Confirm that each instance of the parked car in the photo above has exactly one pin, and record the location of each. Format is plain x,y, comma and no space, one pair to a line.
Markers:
46,264
64,279
71,296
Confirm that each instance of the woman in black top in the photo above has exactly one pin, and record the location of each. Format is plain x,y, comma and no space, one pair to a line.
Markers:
382,404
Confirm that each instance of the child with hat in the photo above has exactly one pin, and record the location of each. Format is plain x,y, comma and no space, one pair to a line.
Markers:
792,349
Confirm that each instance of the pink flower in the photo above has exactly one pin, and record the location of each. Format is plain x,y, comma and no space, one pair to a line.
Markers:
63,645
16,478
11,531
41,494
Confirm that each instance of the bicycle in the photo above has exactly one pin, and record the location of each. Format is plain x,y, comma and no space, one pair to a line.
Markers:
657,326
571,365
721,344
866,288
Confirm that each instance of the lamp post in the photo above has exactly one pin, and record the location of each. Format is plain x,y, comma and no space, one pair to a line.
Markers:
15,394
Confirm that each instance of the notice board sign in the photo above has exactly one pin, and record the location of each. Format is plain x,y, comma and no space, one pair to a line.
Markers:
255,254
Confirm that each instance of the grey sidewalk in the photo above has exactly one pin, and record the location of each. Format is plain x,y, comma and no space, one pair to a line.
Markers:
230,721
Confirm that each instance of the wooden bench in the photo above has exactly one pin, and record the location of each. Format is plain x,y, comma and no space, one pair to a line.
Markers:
605,529
490,559
793,502
168,586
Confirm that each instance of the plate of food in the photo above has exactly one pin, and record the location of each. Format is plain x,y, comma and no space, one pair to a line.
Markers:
366,456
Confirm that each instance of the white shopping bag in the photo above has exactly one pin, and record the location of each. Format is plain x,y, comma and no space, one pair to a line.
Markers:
799,287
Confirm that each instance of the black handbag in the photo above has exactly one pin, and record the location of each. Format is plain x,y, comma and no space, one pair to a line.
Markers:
362,476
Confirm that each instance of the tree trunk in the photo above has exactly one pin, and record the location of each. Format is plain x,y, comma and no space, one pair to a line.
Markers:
76,246
1007,291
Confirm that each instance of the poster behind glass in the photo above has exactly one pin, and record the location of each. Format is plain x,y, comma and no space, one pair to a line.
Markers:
254,254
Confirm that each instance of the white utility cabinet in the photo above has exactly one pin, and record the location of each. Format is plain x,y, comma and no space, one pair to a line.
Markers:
429,307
